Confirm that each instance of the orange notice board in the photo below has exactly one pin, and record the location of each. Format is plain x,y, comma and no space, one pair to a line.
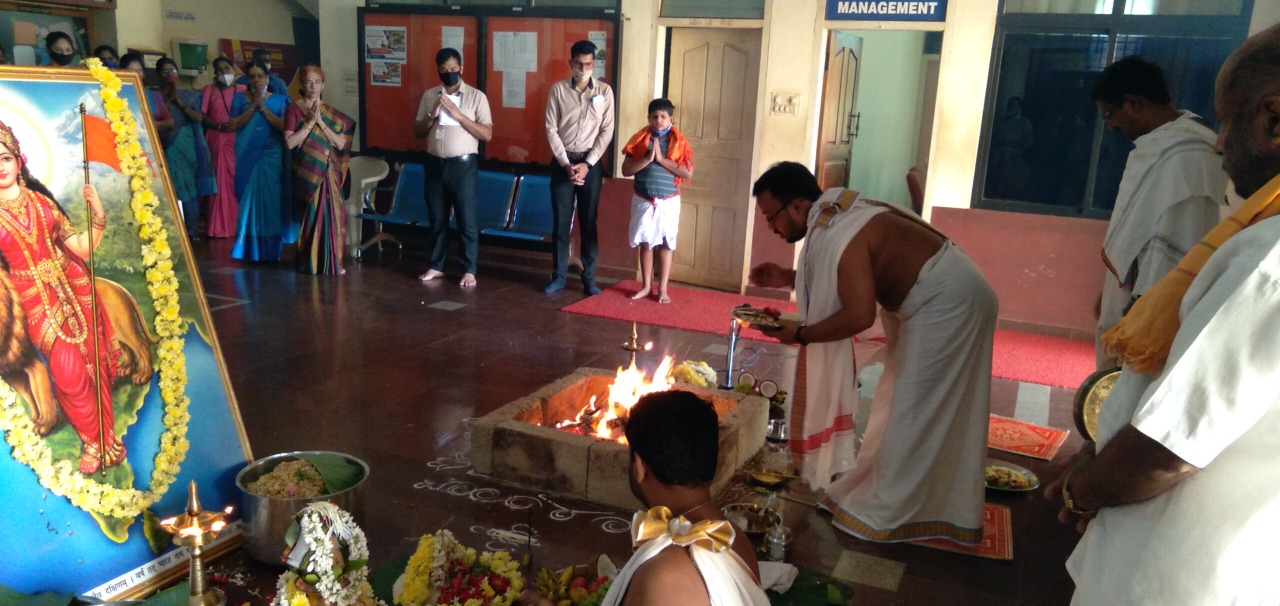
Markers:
393,86
519,119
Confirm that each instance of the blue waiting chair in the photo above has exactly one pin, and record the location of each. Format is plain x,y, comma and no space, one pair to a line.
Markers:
494,191
408,207
531,217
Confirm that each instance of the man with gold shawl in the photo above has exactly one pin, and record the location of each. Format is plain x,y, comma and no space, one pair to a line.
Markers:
1181,504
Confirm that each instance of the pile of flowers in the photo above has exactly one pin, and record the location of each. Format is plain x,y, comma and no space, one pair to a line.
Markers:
443,571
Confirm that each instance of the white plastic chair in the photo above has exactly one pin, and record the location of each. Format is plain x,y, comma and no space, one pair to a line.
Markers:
366,173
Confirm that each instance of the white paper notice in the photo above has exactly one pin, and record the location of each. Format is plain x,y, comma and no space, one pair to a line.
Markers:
452,37
513,89
384,43
515,51
598,38
445,118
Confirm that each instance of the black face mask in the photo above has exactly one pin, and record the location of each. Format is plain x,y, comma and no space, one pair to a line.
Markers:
450,79
60,58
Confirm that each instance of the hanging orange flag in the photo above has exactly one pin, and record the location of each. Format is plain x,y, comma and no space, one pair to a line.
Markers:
101,142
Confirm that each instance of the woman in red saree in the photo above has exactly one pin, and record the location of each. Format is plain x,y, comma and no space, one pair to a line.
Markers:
320,138
43,256
216,100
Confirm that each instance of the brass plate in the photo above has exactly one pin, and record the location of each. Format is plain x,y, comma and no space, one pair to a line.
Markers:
1089,398
756,318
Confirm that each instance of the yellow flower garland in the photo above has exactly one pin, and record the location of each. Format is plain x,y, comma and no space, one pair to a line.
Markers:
61,477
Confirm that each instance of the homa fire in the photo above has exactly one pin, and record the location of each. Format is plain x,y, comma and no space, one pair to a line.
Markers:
603,417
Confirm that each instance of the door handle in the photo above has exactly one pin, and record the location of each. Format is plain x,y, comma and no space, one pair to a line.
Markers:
855,124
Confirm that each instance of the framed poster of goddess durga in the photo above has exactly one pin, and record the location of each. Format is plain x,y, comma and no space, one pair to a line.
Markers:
113,391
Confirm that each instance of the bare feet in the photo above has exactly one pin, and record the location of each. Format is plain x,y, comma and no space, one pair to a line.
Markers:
662,297
430,275
640,294
468,280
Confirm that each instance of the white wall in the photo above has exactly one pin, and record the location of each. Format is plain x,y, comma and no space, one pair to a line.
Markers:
1265,14
891,67
340,56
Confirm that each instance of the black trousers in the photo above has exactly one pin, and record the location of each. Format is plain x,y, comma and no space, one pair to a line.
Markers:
452,185
564,196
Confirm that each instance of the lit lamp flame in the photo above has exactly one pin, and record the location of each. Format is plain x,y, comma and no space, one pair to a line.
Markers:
194,528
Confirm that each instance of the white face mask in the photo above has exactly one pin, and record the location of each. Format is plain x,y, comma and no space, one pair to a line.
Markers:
228,79
581,76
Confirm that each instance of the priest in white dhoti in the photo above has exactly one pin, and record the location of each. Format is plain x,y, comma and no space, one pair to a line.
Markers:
687,552
919,471
1182,501
1171,192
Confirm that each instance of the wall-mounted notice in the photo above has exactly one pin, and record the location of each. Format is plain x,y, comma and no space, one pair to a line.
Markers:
385,73
385,43
515,51
452,37
513,89
598,38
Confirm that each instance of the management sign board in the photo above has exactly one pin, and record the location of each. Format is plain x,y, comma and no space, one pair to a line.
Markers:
886,10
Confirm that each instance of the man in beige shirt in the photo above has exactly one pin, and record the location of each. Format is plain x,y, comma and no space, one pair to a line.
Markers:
579,129
454,118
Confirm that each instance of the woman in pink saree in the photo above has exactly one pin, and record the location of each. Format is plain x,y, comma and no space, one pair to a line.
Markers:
216,108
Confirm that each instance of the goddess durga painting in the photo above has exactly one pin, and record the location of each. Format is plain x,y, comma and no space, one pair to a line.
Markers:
46,307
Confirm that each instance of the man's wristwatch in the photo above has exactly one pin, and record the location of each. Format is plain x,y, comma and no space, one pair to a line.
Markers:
799,336
1069,501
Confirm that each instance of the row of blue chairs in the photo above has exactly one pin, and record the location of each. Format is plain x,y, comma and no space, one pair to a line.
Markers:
511,207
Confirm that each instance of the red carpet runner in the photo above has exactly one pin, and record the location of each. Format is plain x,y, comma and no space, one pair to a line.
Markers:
1017,356
997,536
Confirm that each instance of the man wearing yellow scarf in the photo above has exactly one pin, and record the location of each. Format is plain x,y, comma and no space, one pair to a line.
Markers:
1181,504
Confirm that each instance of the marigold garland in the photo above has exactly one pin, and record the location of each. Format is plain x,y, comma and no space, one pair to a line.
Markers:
443,571
61,477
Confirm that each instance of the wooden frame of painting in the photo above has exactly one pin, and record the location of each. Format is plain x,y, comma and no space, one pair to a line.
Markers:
52,508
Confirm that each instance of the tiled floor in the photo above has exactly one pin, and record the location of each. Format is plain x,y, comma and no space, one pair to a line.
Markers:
378,365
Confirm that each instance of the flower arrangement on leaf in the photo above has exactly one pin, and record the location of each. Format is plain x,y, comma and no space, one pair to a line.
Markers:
327,558
696,373
563,588
443,571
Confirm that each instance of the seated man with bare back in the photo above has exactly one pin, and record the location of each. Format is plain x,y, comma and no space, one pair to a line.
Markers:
919,473
687,552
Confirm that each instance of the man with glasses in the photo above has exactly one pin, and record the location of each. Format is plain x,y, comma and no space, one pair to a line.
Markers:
454,118
919,471
1169,196
579,129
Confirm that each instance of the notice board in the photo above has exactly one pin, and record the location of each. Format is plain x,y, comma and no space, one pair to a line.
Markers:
513,58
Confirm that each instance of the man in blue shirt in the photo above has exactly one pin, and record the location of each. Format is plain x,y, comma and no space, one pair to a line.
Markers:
275,85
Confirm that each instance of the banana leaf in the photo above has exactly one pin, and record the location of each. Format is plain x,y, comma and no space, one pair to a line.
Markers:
339,473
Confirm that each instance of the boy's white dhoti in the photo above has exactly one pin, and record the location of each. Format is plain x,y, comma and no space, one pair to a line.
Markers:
729,582
655,224
919,473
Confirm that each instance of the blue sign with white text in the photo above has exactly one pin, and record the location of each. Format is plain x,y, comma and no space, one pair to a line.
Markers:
887,10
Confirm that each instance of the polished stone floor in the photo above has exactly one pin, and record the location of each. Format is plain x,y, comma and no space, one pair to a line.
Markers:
375,364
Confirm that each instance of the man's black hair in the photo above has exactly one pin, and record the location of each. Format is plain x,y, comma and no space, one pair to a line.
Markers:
445,54
662,105
261,55
1131,75
677,435
106,47
130,58
56,36
583,47
786,181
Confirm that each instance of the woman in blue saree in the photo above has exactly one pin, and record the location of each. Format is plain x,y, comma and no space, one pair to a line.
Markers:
261,187
185,151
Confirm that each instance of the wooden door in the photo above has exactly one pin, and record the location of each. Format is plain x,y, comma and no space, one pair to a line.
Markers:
838,121
713,81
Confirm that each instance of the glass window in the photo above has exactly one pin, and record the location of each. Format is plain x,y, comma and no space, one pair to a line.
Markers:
1070,7
1183,7
715,9
1042,135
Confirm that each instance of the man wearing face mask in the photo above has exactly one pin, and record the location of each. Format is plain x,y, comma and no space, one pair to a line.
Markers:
107,55
275,85
60,48
454,118
579,129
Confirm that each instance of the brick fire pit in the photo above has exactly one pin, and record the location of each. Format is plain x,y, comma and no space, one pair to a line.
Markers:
519,443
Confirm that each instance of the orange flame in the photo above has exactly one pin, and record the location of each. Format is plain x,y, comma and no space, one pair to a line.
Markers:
626,390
